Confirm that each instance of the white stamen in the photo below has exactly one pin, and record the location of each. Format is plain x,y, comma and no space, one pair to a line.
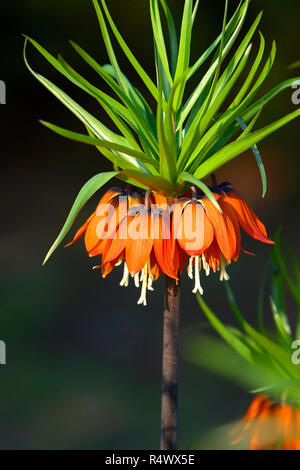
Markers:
125,279
223,275
206,266
137,280
197,287
190,268
150,281
144,278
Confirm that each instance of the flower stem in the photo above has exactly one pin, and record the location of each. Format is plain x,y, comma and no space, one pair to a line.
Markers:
170,366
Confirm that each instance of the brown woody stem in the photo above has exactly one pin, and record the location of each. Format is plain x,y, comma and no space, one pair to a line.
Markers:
170,366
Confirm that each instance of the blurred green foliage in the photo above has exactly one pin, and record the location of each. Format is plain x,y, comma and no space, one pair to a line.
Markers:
262,359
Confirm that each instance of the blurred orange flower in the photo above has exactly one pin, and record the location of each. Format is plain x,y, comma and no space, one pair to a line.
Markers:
270,426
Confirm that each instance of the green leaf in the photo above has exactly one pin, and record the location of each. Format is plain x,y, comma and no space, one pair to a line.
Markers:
211,141
94,125
111,106
240,52
277,352
84,195
217,95
234,149
184,50
258,159
294,65
230,27
159,39
85,139
260,302
109,48
284,271
282,327
209,98
138,117
172,36
240,95
166,132
186,177
139,102
195,10
209,74
251,111
218,100
156,183
243,349
139,69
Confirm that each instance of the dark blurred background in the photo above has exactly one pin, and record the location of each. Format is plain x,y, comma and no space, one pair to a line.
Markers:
83,359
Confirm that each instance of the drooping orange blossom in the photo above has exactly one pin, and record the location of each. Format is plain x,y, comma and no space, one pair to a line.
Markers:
269,425
151,242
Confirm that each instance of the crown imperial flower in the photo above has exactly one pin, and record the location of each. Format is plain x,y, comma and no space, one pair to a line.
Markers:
151,234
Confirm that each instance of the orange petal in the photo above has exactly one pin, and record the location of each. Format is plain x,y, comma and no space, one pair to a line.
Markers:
109,266
111,193
108,196
230,212
114,249
247,218
160,200
213,255
139,242
154,267
104,226
195,232
165,247
223,229
82,230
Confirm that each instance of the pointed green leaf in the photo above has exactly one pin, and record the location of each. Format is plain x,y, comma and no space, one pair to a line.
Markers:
109,47
172,36
159,39
258,159
96,127
85,139
234,149
184,50
139,69
84,195
208,76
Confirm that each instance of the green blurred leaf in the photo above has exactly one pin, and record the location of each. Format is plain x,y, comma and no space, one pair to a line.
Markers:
225,332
